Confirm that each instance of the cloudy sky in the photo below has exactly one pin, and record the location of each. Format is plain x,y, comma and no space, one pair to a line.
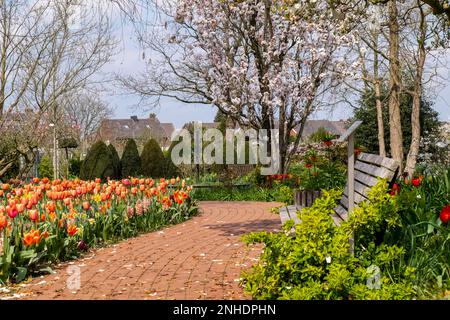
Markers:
129,61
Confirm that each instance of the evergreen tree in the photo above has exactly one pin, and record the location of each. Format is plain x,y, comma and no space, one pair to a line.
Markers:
367,134
131,162
153,160
98,163
116,161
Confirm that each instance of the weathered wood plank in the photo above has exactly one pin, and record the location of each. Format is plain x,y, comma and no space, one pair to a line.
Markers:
342,212
358,199
293,214
336,219
387,163
360,188
284,215
374,170
365,178
350,131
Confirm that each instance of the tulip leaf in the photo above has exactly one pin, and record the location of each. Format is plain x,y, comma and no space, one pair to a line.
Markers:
21,273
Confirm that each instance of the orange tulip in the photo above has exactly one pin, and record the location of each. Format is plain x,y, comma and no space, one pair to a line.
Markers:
72,230
28,239
20,207
51,206
33,215
3,222
86,205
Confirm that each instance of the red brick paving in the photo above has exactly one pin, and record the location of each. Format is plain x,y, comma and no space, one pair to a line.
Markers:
199,259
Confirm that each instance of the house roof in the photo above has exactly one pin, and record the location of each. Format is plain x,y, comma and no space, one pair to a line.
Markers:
135,128
168,128
333,127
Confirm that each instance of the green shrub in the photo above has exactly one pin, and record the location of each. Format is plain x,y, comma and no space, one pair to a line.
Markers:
98,163
45,167
116,162
279,193
75,166
424,236
317,262
153,161
131,162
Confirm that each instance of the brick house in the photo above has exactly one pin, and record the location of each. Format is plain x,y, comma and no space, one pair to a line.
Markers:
118,131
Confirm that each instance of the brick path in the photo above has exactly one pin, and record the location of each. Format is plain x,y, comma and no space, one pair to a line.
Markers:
199,259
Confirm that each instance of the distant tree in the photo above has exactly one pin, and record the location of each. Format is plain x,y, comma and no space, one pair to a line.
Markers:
131,162
98,163
116,162
153,161
45,167
367,135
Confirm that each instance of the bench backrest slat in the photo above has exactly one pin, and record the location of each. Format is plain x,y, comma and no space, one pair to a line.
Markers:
387,163
368,169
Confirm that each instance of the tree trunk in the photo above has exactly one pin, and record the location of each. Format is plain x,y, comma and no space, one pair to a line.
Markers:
378,103
395,125
411,160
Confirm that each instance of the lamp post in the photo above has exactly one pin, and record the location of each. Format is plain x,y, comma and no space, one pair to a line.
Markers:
55,152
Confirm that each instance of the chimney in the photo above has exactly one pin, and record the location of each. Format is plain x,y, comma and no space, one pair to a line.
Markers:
134,118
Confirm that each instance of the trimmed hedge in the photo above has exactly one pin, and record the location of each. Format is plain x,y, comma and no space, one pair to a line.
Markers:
153,160
131,162
116,162
98,163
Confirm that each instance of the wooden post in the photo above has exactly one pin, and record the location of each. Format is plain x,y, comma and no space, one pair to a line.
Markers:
350,136
351,182
351,172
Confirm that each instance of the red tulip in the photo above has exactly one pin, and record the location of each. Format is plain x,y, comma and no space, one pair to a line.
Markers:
395,189
415,182
12,211
445,214
328,143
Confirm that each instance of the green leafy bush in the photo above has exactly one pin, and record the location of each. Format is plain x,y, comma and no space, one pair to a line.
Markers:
45,167
423,234
153,161
75,166
278,193
320,168
317,262
131,161
116,162
98,163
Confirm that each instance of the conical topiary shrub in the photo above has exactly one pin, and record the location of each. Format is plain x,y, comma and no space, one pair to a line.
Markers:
116,162
98,163
152,159
131,162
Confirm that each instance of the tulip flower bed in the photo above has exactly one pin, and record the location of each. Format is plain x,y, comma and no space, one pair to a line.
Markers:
45,222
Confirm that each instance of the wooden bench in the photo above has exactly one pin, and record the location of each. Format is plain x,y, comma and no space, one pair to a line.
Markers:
367,169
